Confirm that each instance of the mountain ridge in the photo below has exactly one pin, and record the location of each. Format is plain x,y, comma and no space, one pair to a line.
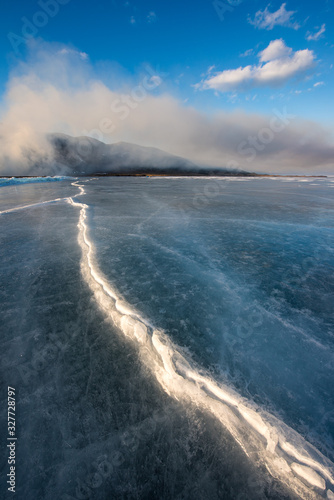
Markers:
87,156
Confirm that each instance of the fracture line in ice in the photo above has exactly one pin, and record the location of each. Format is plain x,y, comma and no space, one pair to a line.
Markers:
24,207
286,455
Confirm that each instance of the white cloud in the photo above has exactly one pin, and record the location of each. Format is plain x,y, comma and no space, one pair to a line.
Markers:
318,84
247,53
268,20
151,17
67,51
278,64
317,35
132,20
275,50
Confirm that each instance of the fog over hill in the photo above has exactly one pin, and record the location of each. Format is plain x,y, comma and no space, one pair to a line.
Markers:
61,154
57,89
84,155
87,156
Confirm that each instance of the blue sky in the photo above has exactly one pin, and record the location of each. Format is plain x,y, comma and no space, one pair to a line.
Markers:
184,39
282,51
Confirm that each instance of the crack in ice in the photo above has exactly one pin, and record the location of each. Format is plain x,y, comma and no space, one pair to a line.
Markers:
286,455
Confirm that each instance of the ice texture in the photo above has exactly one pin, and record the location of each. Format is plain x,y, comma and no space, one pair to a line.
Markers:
171,337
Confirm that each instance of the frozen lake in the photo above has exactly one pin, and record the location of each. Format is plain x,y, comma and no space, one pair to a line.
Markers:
169,338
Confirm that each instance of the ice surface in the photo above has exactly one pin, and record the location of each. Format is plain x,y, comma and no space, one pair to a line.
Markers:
309,475
17,181
240,287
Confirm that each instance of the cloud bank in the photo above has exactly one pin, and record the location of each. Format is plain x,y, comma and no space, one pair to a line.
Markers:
58,91
278,64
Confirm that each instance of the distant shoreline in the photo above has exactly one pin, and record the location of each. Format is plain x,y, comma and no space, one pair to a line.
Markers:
204,175
148,174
